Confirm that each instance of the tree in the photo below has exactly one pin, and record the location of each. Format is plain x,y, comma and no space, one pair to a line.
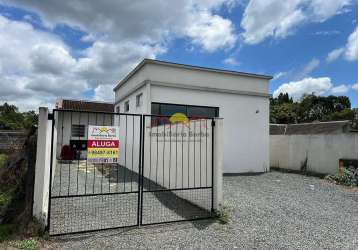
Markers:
310,108
12,119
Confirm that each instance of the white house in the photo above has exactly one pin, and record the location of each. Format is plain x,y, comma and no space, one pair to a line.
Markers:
72,126
241,99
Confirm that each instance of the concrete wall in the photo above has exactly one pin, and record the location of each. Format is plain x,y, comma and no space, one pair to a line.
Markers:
42,168
246,127
321,151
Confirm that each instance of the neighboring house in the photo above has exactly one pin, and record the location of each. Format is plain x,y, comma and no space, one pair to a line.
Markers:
316,147
72,127
241,99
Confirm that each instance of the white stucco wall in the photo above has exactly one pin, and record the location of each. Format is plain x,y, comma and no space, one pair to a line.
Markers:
242,101
246,132
322,151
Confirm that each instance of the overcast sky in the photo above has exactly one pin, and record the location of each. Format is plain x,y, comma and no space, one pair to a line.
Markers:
80,49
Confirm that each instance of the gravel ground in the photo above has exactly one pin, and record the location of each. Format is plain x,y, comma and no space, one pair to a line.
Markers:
269,211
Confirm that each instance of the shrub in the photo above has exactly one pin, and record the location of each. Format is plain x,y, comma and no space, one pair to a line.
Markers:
224,214
348,177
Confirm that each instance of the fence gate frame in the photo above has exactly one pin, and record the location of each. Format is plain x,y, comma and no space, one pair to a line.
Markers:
141,179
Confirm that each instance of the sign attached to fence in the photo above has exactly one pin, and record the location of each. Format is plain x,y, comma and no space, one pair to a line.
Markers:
103,144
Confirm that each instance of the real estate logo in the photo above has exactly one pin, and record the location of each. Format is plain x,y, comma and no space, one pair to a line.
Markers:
103,144
179,118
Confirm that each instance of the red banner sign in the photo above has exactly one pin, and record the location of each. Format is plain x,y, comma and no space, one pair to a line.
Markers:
102,144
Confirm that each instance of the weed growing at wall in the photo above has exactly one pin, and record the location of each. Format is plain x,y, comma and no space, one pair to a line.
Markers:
347,177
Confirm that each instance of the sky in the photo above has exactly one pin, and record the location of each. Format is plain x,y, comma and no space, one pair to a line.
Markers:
82,49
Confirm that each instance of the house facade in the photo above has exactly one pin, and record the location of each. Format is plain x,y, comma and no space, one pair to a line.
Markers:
72,126
241,99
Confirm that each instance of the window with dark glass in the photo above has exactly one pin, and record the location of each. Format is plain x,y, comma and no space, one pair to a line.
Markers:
191,111
139,100
195,111
126,106
78,130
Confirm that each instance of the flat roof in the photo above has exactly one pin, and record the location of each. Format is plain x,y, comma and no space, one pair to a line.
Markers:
187,66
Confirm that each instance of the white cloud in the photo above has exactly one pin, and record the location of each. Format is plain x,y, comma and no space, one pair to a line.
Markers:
39,67
231,61
36,69
151,21
312,65
334,55
355,86
340,89
279,75
104,92
351,52
278,19
308,85
327,32
212,32
324,9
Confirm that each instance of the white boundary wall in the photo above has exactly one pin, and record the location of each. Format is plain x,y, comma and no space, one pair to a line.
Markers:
42,168
322,151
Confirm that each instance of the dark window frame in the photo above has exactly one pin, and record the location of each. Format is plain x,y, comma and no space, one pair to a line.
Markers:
126,106
139,100
164,118
79,131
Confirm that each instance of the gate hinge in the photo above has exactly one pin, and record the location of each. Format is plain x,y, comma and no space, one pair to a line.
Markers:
50,116
212,123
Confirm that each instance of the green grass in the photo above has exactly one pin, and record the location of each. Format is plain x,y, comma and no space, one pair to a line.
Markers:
28,244
3,158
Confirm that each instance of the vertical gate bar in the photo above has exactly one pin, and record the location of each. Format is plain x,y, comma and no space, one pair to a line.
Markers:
125,156
200,151
132,149
206,152
170,150
156,166
150,151
110,168
176,154
117,184
194,150
102,162
62,118
78,160
182,155
69,162
212,164
141,170
163,151
86,131
189,154
94,167
51,166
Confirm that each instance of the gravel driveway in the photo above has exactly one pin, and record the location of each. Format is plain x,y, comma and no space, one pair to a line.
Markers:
270,211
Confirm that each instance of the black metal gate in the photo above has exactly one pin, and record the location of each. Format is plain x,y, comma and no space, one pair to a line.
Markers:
164,172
